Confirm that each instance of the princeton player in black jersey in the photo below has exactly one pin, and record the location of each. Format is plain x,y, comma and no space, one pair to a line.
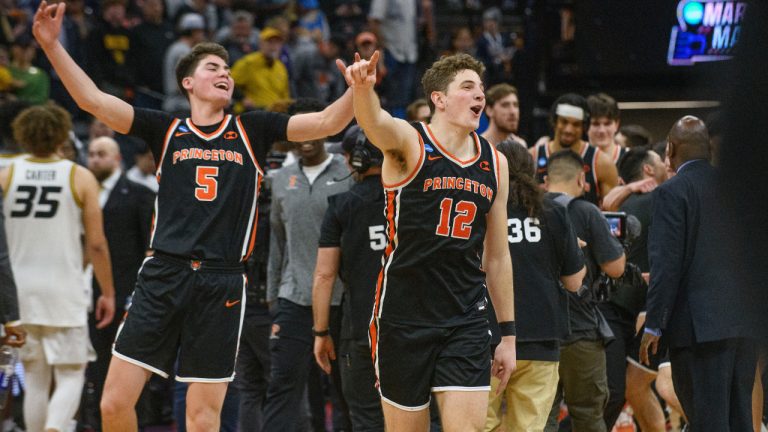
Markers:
569,116
604,120
189,295
445,208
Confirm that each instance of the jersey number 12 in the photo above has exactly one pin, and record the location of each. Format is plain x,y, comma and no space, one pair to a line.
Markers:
463,215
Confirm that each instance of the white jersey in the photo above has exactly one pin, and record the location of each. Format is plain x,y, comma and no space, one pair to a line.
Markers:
43,221
6,159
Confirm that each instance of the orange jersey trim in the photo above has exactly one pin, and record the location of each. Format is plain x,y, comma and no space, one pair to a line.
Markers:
213,134
413,173
450,155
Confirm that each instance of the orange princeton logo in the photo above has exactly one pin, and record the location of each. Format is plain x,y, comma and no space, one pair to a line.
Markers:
230,135
485,166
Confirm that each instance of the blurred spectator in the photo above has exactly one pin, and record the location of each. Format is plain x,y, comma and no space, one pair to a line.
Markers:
418,110
204,8
394,22
109,46
348,17
8,111
495,49
312,20
633,135
263,10
239,38
191,31
315,74
261,76
366,44
33,83
144,170
7,84
13,22
461,42
149,41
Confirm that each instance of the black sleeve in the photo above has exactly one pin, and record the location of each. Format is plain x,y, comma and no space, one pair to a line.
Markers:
573,258
330,230
605,246
145,210
151,126
9,305
263,129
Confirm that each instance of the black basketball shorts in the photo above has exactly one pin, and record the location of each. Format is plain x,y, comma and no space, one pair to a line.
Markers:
661,356
411,362
184,309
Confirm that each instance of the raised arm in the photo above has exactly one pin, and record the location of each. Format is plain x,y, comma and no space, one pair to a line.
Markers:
114,112
607,174
96,244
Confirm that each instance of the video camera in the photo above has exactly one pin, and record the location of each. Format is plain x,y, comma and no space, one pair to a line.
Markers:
626,228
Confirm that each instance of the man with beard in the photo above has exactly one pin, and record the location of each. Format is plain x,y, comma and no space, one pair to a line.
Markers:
503,110
569,116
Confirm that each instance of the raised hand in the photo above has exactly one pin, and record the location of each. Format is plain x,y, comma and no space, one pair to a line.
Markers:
361,73
46,25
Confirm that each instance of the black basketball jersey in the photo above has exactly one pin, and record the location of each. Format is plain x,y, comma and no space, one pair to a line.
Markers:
436,222
588,155
209,185
355,223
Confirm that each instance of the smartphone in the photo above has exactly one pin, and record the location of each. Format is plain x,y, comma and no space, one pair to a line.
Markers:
618,223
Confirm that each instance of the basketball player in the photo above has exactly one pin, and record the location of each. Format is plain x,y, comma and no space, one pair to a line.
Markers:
445,206
50,202
604,120
569,116
189,295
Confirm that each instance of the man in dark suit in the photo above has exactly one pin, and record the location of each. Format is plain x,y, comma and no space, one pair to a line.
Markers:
127,208
693,299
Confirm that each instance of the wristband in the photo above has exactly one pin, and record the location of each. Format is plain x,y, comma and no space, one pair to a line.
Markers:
320,333
507,328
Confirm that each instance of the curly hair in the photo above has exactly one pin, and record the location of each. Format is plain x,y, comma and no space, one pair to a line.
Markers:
187,64
443,71
41,129
524,192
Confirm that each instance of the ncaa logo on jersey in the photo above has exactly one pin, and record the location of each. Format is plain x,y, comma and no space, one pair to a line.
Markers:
428,148
183,128
542,162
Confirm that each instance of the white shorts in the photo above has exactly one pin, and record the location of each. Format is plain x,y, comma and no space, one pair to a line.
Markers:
57,345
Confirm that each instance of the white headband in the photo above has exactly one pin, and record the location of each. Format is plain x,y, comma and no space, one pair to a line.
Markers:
565,110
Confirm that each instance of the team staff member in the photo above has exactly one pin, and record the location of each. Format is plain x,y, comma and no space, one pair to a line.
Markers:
582,354
352,240
569,116
50,202
545,253
209,168
445,207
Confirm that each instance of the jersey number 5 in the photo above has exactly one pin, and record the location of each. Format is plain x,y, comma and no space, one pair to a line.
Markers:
461,227
207,183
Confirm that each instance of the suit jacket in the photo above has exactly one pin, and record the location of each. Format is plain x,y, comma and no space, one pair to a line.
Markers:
692,298
9,305
127,224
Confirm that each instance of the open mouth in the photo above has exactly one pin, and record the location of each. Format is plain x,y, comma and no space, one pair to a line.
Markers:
222,86
477,109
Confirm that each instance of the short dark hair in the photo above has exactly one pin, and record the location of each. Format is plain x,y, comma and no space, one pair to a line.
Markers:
602,105
187,65
631,164
564,165
41,129
413,109
637,135
498,92
443,71
305,105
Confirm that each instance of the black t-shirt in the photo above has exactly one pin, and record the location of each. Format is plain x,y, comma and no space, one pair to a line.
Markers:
641,206
602,246
355,222
209,181
542,248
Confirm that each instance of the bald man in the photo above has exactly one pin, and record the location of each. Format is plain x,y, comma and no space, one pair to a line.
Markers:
127,208
693,299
